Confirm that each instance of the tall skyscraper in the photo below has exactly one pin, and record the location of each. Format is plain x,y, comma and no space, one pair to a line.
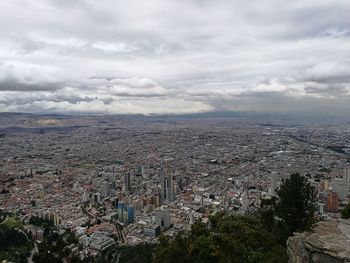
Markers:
273,183
346,176
127,181
131,213
167,190
162,183
122,212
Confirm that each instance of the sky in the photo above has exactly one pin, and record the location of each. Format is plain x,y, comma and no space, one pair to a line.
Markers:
174,56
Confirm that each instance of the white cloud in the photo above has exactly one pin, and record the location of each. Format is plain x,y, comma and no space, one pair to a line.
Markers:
60,40
113,47
271,86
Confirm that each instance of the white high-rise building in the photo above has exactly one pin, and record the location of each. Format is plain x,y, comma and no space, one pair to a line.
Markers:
162,219
341,188
85,197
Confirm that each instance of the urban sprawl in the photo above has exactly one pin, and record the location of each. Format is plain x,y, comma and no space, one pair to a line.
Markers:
117,180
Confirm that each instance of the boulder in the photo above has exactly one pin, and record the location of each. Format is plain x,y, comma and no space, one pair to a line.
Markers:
327,242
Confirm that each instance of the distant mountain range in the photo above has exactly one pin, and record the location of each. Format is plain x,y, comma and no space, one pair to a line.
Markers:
56,119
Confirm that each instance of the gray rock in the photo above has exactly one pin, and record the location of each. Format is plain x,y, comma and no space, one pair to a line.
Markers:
327,242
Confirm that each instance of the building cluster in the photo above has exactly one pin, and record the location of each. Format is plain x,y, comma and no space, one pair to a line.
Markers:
334,193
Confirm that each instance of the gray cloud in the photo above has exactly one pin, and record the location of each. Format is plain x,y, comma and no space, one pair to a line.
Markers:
327,89
174,56
14,85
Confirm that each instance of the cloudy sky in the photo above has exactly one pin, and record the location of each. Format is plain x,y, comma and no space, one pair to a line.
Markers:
175,56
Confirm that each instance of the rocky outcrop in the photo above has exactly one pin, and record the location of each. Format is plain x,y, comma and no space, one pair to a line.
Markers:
327,242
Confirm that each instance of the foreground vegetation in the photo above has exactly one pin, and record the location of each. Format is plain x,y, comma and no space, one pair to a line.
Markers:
229,239
14,244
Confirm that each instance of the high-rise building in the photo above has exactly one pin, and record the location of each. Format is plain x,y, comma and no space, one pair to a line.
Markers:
320,208
106,188
125,213
170,193
97,197
346,176
346,179
127,181
162,219
273,183
162,183
332,202
130,215
139,170
324,185
51,216
341,188
167,190
66,181
85,196
56,219
122,212
116,202
138,204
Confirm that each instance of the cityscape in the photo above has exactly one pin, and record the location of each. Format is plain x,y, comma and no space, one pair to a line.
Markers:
115,180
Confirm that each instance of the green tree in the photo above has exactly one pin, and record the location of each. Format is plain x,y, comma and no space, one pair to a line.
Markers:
345,213
14,245
228,238
295,205
267,213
